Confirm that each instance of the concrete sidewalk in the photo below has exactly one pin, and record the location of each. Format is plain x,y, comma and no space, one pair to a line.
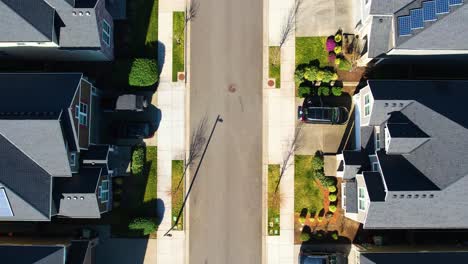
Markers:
280,106
170,138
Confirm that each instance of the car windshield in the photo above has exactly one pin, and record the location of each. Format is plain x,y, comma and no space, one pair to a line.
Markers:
320,113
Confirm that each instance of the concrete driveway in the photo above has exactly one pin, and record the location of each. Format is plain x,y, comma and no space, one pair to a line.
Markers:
324,17
326,138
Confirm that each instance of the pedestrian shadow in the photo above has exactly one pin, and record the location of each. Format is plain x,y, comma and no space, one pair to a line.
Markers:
161,56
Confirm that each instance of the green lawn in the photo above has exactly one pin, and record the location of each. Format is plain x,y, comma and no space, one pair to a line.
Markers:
138,195
310,49
275,64
307,193
143,23
274,200
177,194
178,44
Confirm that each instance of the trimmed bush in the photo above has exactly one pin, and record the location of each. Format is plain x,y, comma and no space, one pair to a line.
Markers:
329,181
311,73
144,72
323,91
317,163
337,91
337,49
329,215
320,75
138,160
344,64
304,236
338,38
332,188
319,236
303,91
302,219
118,181
332,197
299,75
332,208
320,219
330,45
334,236
147,225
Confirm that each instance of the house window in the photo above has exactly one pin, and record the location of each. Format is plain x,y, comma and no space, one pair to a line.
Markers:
81,113
362,199
377,138
72,158
106,32
375,166
366,105
104,191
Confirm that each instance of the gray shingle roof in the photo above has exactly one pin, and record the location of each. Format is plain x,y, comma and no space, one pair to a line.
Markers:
351,196
26,254
25,178
381,36
26,20
387,7
76,197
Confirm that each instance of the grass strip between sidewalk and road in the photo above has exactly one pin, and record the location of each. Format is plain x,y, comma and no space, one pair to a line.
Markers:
274,200
178,44
177,194
274,67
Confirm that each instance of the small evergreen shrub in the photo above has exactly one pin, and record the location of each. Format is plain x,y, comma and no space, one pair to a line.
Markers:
147,225
305,237
337,50
329,215
144,72
138,160
332,208
303,91
338,38
337,91
323,91
334,236
344,65
332,197
332,188
311,73
330,181
317,163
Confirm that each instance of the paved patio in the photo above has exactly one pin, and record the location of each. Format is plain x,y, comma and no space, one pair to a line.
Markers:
324,17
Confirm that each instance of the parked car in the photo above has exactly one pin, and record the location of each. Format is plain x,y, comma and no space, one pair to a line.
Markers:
137,130
319,114
308,257
125,102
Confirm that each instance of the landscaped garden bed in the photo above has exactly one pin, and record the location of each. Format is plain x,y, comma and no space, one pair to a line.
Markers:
274,68
134,197
178,44
177,192
274,200
318,213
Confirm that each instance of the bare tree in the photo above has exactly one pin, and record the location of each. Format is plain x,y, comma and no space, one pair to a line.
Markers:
289,24
191,10
197,140
294,146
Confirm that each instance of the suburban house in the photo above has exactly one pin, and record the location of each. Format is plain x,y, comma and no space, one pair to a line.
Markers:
52,164
55,250
406,255
59,29
408,170
410,27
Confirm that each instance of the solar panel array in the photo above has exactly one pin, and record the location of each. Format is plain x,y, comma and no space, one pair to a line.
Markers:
404,25
442,6
416,18
429,11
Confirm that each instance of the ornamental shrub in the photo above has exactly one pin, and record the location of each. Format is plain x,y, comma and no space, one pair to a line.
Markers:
147,225
330,45
320,219
138,160
337,50
299,75
334,236
303,91
317,163
337,91
332,197
305,236
143,72
329,76
320,75
310,73
118,181
338,38
323,91
319,236
332,208
329,215
344,65
332,188
330,181
331,57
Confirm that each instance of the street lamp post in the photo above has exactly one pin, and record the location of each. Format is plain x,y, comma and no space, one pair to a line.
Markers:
218,119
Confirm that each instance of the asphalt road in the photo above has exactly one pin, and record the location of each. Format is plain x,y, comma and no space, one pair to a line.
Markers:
225,205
